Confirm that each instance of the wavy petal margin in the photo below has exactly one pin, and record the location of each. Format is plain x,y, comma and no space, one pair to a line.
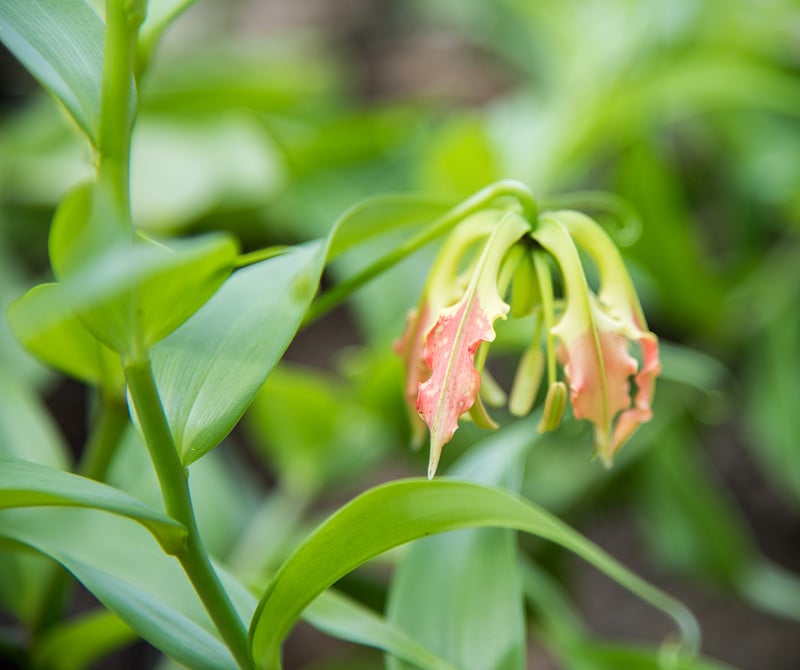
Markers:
451,344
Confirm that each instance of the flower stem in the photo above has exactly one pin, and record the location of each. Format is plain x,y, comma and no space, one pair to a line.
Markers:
473,204
117,104
172,478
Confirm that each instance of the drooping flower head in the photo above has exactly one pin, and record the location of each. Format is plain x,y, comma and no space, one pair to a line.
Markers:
590,334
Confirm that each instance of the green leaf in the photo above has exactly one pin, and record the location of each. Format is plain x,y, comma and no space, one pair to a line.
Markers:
125,569
160,13
381,214
61,43
345,619
65,344
395,513
79,643
231,344
476,570
25,484
169,285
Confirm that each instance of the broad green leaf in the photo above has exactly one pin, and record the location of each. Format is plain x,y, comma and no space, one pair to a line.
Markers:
129,291
121,564
61,43
66,344
224,493
126,570
460,593
209,370
14,361
395,513
25,484
79,643
381,214
169,284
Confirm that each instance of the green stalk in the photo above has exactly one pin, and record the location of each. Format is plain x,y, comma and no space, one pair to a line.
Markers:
123,18
117,103
172,477
475,203
109,426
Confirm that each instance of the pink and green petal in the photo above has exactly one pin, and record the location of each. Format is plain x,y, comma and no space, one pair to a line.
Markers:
594,345
451,344
442,289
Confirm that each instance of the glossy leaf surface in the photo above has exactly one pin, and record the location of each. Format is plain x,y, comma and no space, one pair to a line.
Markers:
460,593
61,43
24,484
209,370
392,514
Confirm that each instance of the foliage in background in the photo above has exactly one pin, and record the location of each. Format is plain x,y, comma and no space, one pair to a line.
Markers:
688,110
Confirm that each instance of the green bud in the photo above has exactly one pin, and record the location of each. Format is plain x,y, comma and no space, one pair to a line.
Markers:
554,405
527,380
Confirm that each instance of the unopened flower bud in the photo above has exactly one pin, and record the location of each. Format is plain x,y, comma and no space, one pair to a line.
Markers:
527,381
554,405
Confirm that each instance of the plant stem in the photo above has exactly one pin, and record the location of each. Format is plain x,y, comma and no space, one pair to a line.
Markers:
109,425
117,111
117,104
172,478
481,199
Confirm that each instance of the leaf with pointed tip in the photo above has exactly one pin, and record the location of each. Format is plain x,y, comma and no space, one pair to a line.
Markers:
65,344
428,599
390,515
25,484
210,369
60,42
126,570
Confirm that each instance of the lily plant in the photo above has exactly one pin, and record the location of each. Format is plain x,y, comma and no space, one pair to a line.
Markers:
591,334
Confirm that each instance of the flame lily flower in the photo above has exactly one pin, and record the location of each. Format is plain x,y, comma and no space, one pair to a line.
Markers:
594,332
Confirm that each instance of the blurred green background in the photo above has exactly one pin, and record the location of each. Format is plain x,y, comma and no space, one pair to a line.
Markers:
269,118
